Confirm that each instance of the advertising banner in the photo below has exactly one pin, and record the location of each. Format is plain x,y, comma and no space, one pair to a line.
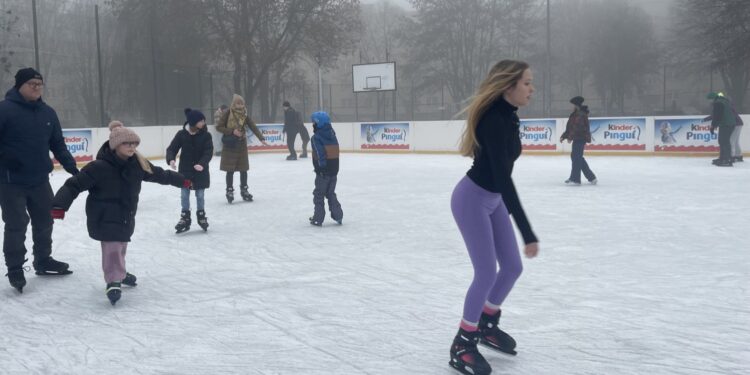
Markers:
618,134
385,136
274,135
79,143
539,135
684,135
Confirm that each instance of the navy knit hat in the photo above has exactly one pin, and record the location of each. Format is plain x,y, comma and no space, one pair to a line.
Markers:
193,116
26,74
577,100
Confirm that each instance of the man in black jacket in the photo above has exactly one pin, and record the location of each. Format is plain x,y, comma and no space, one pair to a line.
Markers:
29,130
292,125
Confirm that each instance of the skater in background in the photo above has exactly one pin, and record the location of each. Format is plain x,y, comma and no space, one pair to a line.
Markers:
325,150
578,131
29,130
196,148
735,140
234,156
292,125
114,184
724,118
481,204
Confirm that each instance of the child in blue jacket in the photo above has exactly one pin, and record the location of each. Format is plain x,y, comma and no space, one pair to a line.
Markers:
325,152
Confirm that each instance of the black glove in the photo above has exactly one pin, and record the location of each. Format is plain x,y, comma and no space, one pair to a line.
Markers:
73,171
11,162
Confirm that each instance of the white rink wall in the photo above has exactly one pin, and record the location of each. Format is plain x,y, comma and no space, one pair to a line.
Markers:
427,137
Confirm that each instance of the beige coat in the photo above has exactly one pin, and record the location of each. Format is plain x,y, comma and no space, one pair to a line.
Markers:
236,159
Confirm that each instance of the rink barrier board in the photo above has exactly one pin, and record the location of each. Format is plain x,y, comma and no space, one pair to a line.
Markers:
423,137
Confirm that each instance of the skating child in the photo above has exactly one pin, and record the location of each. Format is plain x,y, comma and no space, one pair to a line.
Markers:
114,183
325,151
197,149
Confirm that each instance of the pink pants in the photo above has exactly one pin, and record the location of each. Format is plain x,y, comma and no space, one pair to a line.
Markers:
113,260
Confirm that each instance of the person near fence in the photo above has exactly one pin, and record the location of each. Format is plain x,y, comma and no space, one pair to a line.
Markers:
196,148
29,130
481,203
292,125
577,130
325,158
234,155
219,111
113,181
724,118
735,140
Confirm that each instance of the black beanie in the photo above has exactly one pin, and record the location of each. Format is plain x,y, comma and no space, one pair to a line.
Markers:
26,74
193,116
286,104
577,100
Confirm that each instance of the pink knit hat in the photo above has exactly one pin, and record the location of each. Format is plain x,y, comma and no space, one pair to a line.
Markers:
120,134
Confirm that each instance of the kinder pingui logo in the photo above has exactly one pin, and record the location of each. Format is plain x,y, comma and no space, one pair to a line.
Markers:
77,145
617,134
385,136
272,133
684,135
538,134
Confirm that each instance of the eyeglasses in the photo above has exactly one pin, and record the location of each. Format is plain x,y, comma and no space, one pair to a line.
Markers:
130,144
35,85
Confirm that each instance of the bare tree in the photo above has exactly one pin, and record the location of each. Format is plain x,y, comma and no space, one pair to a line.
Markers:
457,41
8,21
716,34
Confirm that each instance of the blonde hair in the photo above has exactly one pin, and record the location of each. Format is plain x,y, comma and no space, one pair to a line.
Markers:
502,77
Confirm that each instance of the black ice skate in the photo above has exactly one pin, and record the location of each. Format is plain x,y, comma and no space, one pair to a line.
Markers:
202,219
184,224
738,159
51,267
724,163
16,278
572,183
129,279
465,356
315,222
493,337
246,196
304,154
114,292
291,157
230,195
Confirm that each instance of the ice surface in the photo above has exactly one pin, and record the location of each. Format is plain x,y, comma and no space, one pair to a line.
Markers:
646,273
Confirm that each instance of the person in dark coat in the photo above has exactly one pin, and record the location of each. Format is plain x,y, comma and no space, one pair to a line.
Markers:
325,149
725,119
234,156
29,130
113,181
292,125
578,131
197,150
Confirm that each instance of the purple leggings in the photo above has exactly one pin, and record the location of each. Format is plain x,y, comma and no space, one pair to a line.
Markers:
485,225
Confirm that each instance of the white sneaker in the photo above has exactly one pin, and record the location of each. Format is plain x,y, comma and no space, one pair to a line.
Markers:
570,182
593,182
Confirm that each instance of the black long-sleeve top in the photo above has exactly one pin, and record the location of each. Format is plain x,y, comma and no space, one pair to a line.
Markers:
498,135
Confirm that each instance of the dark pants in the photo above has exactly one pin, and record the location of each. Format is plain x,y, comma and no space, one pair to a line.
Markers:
230,179
325,188
725,143
19,204
292,136
579,163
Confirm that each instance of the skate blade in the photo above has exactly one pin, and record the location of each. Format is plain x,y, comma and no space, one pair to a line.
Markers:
54,273
178,231
462,369
506,351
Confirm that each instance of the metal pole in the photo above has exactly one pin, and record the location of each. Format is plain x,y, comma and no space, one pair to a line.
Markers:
153,68
36,35
99,65
664,91
304,100
200,89
356,106
211,89
548,78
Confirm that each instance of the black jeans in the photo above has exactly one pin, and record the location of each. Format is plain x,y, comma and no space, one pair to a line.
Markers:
725,143
292,136
230,179
21,204
579,163
325,188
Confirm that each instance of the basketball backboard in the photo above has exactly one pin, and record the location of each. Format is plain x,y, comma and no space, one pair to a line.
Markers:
374,77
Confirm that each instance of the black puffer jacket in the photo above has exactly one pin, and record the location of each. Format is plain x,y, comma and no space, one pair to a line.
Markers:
196,148
114,185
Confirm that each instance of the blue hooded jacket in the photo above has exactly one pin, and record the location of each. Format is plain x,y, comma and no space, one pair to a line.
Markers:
28,132
325,146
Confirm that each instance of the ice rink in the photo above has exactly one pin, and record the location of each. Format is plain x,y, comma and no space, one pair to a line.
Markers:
646,273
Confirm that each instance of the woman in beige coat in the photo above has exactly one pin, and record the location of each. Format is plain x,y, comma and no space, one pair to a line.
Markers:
234,156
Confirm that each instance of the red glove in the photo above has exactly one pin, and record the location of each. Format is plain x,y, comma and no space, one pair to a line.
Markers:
187,184
58,213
